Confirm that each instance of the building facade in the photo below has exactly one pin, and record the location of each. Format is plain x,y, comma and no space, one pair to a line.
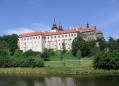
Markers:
37,41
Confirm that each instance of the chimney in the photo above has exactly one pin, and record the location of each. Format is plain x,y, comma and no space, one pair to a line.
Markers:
42,30
76,29
73,27
70,27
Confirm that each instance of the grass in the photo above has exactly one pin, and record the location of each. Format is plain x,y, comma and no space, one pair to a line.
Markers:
55,66
70,64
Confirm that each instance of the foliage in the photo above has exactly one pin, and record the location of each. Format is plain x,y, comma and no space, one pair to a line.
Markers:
5,61
78,54
17,53
4,50
92,43
45,54
107,60
102,45
13,43
51,52
63,47
30,53
61,56
80,44
94,51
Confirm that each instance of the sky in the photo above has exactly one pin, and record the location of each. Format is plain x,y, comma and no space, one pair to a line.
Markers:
23,16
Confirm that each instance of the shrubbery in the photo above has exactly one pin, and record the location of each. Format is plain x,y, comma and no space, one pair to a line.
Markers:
107,60
19,62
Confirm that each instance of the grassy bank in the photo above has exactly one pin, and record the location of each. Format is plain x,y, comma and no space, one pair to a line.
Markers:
47,70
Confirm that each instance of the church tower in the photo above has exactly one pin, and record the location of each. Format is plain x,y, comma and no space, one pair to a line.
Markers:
54,28
60,27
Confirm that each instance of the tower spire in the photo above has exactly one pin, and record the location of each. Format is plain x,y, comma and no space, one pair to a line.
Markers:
87,24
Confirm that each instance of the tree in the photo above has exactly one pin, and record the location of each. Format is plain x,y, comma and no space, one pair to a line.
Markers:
17,53
4,50
45,54
113,45
80,44
78,54
102,45
63,46
61,56
92,43
13,43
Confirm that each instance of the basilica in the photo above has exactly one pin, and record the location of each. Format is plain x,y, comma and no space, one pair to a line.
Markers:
37,41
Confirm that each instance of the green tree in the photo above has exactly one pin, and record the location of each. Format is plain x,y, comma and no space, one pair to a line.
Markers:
4,50
102,45
92,43
63,46
78,55
61,56
45,54
17,53
80,44
13,43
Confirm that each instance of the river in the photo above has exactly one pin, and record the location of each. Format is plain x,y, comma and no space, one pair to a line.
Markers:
58,80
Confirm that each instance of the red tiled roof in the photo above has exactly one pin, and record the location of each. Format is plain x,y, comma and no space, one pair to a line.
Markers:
98,31
49,33
86,29
31,34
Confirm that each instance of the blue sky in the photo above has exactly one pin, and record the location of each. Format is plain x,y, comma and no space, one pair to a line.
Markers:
22,16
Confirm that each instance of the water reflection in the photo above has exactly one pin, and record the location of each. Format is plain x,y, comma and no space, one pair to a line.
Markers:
59,80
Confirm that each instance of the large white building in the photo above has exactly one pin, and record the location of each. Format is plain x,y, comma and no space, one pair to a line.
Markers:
37,41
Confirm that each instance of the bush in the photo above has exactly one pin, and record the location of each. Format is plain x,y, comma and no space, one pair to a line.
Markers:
106,60
28,53
5,62
45,55
51,52
94,51
17,53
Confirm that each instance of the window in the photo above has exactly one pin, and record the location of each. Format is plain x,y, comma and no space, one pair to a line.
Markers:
30,38
59,43
65,35
34,37
27,38
66,43
90,38
55,36
66,39
52,43
69,35
59,39
48,37
90,33
62,35
45,41
51,37
39,37
58,36
24,38
72,35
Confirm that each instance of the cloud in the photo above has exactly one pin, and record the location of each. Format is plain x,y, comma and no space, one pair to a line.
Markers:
39,26
19,31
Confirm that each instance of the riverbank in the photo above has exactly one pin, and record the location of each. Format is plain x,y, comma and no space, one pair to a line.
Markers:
49,70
